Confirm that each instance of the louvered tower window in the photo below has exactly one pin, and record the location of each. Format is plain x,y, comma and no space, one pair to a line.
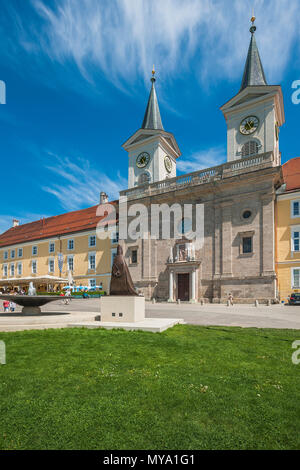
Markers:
250,148
144,178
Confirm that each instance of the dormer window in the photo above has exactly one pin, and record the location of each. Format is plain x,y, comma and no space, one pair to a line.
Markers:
250,148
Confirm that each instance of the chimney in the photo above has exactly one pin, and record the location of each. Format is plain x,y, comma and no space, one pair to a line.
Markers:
103,198
16,223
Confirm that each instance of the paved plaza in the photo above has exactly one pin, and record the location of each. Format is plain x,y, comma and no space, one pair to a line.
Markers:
58,315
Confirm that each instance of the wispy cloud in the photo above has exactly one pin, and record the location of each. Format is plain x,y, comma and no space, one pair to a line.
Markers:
123,38
202,159
78,184
6,221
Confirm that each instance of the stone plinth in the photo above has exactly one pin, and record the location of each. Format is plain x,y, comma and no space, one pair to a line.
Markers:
122,309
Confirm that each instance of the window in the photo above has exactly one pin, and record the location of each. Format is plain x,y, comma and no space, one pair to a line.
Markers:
144,178
34,267
185,226
296,208
51,247
5,270
20,268
51,265
12,270
250,148
92,261
20,252
247,245
134,257
296,278
13,254
296,240
70,244
34,250
92,282
70,263
113,255
92,240
247,214
5,255
115,237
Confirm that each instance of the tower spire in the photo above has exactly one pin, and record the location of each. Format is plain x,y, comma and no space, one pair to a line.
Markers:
254,74
152,119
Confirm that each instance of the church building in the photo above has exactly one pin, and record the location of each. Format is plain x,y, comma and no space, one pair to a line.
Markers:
238,255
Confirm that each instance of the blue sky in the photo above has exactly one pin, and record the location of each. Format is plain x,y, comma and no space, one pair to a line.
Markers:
78,72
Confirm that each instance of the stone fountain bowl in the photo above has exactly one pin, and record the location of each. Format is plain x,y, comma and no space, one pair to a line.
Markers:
31,303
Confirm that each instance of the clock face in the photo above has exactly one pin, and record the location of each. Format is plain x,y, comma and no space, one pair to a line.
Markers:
142,160
168,164
249,125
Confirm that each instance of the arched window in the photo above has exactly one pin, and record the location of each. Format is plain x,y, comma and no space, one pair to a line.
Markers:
250,148
185,226
144,178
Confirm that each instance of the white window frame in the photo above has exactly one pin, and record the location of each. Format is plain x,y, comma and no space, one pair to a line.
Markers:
12,270
20,250
292,209
11,254
50,245
34,263
92,280
293,277
33,247
295,230
69,241
93,253
70,257
90,238
5,269
19,271
5,255
51,260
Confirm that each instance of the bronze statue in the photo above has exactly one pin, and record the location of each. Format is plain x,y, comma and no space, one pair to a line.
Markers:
121,282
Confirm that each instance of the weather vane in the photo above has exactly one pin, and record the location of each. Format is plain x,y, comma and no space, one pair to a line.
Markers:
153,74
253,27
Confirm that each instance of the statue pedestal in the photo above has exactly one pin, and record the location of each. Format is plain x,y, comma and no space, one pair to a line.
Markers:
122,309
31,311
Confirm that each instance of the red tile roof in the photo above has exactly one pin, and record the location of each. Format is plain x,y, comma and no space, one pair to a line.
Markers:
291,174
71,222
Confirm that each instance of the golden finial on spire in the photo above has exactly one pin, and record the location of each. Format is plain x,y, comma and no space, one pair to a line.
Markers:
153,79
253,27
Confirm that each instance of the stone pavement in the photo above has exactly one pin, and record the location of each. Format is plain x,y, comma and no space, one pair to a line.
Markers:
209,315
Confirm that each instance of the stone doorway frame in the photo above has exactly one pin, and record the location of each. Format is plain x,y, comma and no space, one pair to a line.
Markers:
188,267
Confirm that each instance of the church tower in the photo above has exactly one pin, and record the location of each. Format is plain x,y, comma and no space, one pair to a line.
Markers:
255,114
151,150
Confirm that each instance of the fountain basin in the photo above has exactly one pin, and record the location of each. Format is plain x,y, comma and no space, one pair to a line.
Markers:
31,303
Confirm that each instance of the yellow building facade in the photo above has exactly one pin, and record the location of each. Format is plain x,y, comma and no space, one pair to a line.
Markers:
48,260
287,215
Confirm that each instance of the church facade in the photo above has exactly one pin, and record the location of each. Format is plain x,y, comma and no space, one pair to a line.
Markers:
238,253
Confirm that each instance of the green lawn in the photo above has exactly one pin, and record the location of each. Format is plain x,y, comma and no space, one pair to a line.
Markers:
188,388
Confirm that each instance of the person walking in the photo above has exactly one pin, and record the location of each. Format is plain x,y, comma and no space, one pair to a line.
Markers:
67,297
6,306
230,300
12,306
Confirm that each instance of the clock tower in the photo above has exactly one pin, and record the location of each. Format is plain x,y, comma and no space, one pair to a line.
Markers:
151,150
255,114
